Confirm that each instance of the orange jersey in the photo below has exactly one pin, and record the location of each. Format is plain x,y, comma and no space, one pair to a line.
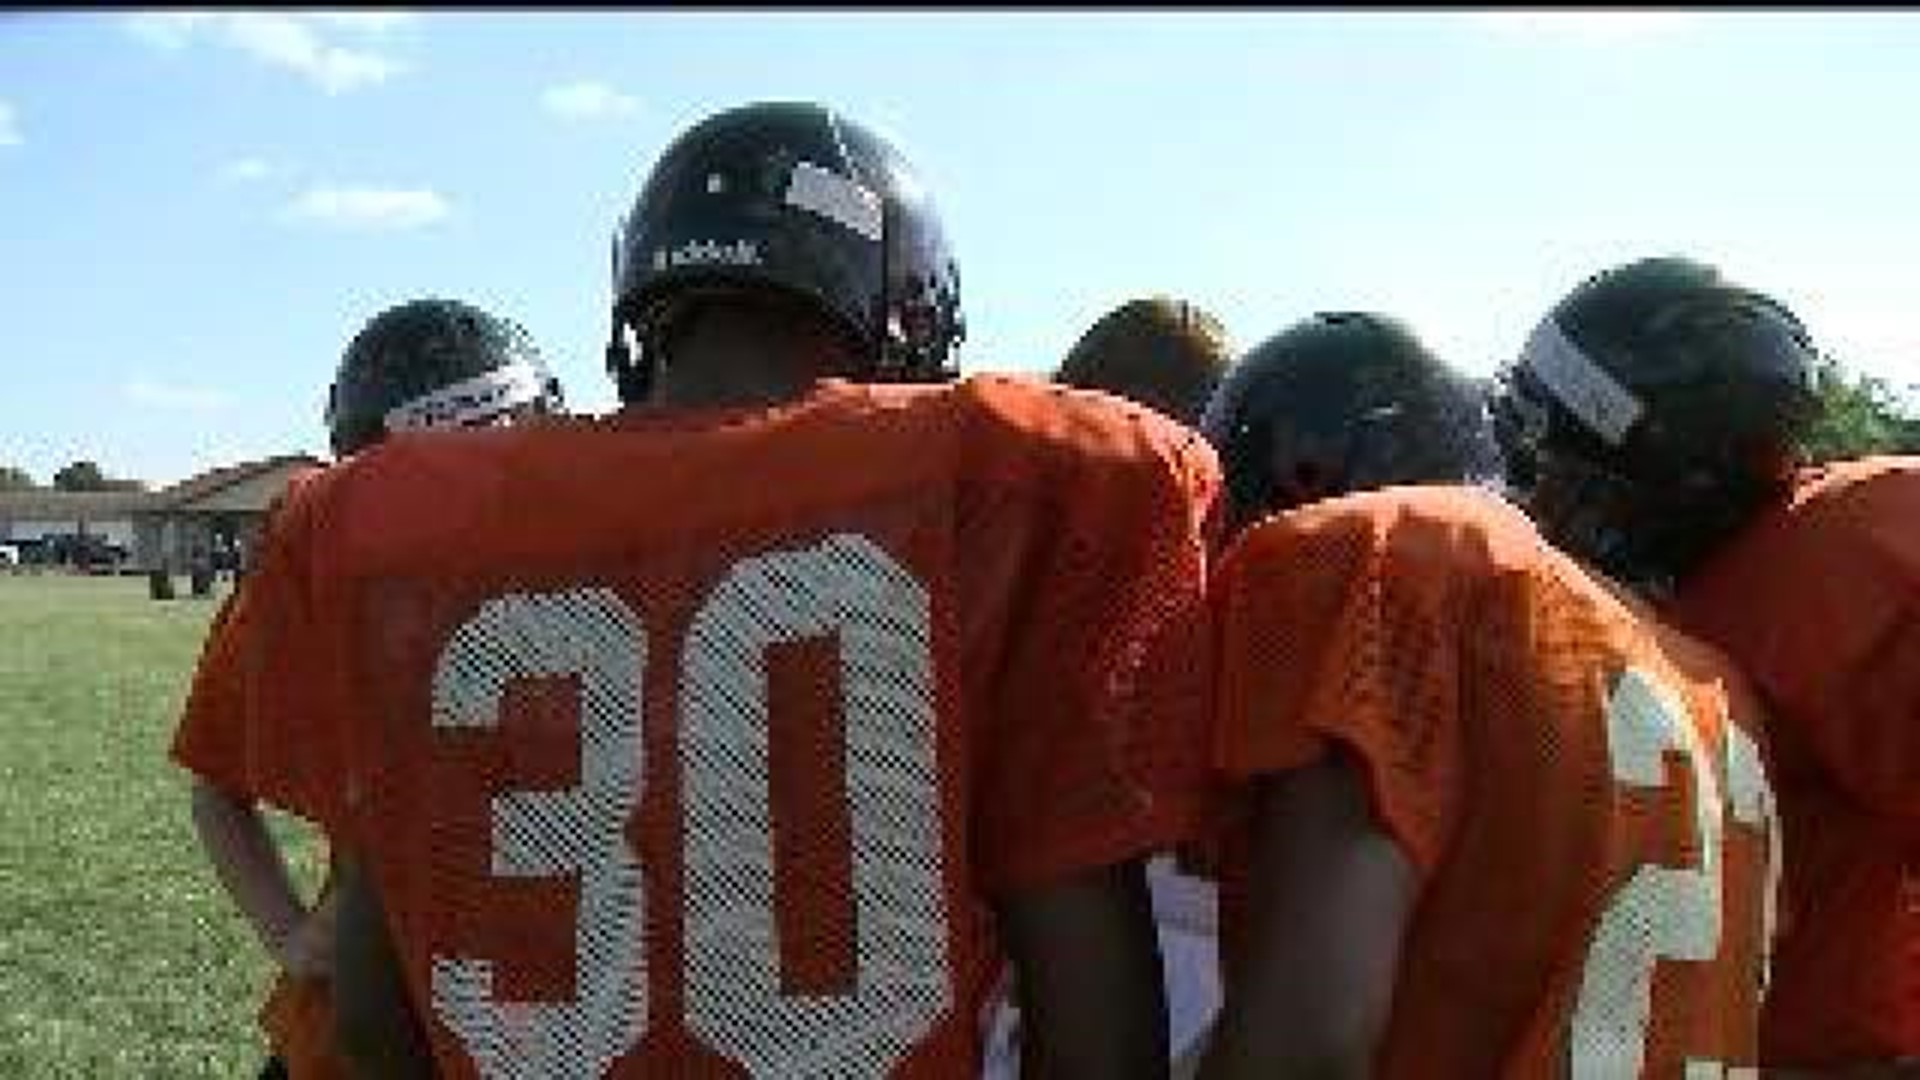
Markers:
1819,602
214,738
694,744
211,739
1590,830
216,741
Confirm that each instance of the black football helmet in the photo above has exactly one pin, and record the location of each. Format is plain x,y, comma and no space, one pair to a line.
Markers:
1653,412
1344,402
434,364
796,198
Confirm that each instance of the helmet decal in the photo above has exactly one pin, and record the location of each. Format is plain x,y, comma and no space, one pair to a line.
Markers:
836,198
1608,409
470,401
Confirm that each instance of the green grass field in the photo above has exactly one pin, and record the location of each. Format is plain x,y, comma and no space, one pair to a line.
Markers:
120,956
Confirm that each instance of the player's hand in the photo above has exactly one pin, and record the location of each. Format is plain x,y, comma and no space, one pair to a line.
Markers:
306,952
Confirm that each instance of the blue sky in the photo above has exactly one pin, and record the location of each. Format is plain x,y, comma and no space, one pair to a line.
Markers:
197,212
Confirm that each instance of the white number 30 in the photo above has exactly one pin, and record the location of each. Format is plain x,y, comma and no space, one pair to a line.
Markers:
844,585
1663,911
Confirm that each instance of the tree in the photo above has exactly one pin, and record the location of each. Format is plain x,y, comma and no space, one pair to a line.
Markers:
1862,415
13,478
80,476
87,476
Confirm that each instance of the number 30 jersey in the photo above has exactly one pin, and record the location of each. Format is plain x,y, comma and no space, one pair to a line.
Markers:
695,744
1579,790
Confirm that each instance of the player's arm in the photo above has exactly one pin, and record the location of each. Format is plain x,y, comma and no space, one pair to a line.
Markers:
210,742
378,1034
1329,896
1087,971
234,835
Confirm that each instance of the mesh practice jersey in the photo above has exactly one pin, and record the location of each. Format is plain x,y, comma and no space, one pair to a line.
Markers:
213,739
693,744
1580,791
216,741
1819,603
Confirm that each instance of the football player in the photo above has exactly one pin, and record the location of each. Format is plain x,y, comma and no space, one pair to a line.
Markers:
1652,421
1168,355
730,733
1157,351
1497,820
421,364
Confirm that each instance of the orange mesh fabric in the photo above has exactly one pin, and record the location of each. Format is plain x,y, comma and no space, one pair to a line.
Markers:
211,739
694,746
292,761
1819,602
220,741
1557,768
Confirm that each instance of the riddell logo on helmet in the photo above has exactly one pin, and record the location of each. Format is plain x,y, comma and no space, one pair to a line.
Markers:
708,253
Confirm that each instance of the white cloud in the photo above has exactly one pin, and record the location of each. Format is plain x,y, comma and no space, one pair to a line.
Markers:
369,209
9,126
586,100
1590,25
292,41
174,397
243,170
285,42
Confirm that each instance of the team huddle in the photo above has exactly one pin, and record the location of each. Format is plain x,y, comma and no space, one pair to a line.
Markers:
823,712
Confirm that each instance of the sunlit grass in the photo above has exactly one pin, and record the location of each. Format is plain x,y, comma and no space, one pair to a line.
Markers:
119,954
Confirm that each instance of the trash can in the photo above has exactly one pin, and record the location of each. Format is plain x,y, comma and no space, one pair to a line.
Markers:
159,585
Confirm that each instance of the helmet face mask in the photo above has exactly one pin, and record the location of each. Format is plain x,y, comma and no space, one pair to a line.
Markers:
1653,413
797,200
1585,509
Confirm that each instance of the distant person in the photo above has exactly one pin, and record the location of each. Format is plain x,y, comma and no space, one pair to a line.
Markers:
1652,423
1497,820
200,567
226,558
1157,351
739,732
421,364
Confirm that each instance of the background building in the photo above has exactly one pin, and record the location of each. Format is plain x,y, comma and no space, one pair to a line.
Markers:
212,517
218,512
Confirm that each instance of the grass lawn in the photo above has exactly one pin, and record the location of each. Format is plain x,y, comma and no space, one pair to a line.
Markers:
119,954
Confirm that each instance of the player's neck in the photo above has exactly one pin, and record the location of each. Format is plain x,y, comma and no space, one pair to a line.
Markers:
744,364
730,395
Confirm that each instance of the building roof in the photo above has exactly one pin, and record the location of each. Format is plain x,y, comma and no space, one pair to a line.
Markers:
49,505
43,505
193,489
